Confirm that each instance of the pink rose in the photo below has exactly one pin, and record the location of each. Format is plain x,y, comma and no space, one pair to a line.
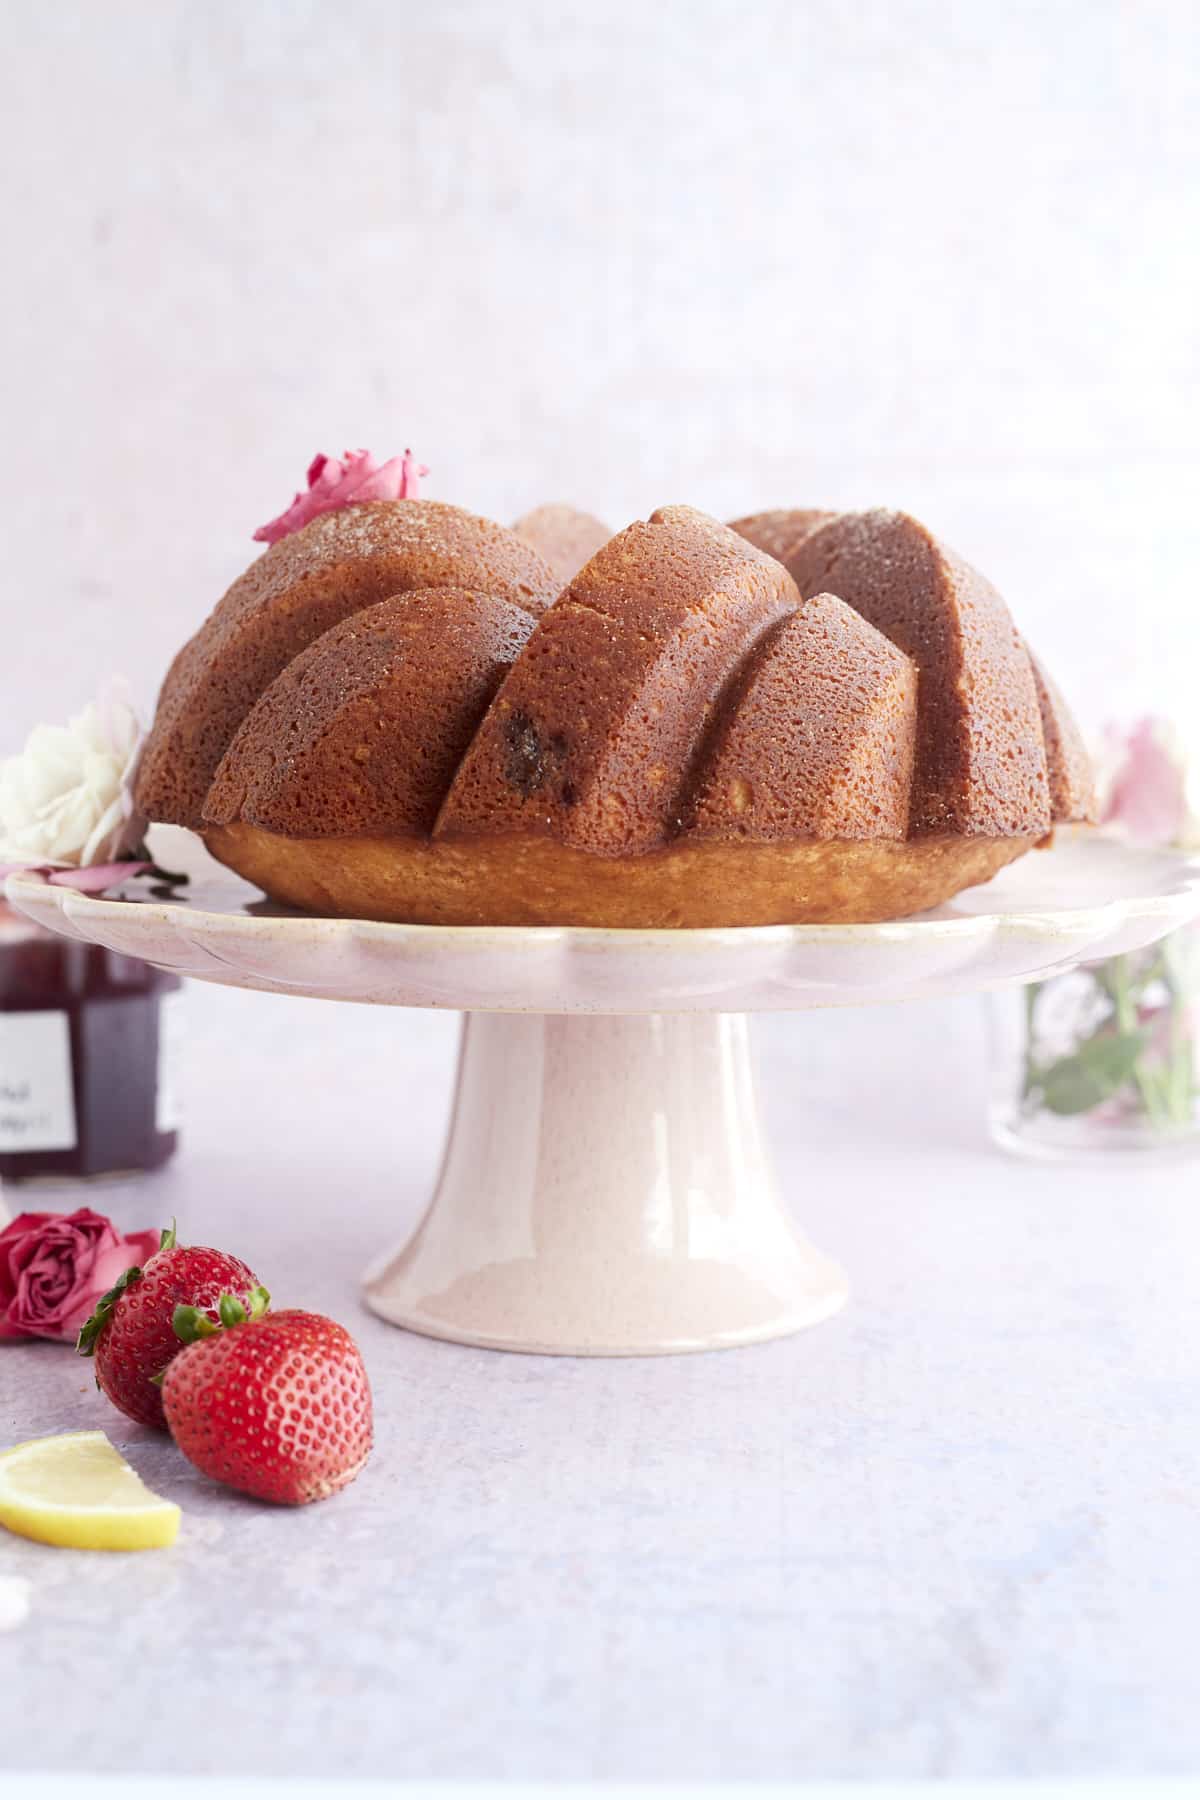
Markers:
1147,784
358,476
55,1266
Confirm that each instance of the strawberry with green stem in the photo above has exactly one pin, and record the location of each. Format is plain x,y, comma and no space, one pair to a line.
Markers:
278,1406
131,1333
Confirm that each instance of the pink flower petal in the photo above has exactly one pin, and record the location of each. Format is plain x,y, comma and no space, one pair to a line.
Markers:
114,1258
356,477
412,475
97,876
1148,795
383,483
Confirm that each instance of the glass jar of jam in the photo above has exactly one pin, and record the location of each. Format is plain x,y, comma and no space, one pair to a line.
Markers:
87,1052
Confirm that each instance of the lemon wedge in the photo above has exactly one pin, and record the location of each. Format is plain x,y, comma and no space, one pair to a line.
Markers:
79,1492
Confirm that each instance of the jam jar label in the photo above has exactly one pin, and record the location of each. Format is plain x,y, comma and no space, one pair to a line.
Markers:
168,1111
37,1095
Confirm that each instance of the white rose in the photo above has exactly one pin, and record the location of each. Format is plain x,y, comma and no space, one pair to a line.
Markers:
66,799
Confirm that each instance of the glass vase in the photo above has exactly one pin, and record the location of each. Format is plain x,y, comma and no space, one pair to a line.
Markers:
1102,1059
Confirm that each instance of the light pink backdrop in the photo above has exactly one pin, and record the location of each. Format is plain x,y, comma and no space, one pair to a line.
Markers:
938,255
628,251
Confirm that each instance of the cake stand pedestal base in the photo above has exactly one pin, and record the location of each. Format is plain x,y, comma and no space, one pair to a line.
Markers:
605,1191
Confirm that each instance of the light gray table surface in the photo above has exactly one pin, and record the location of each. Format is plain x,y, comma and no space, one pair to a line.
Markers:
953,1532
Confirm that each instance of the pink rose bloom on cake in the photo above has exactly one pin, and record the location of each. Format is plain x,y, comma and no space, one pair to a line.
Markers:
55,1266
357,476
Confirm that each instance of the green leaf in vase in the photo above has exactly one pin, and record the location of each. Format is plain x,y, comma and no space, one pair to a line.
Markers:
1097,1070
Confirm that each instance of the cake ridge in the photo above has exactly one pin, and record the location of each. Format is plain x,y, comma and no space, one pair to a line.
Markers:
339,563
647,634
818,738
724,706
391,697
979,705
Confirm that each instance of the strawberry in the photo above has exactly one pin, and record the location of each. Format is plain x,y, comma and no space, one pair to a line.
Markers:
278,1406
131,1332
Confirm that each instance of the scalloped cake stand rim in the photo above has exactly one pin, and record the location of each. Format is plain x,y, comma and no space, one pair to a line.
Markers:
1087,896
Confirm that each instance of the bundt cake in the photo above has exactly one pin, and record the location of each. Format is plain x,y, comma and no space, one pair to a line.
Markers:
566,537
405,712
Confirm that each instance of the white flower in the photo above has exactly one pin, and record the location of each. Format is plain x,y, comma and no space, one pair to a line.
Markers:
67,798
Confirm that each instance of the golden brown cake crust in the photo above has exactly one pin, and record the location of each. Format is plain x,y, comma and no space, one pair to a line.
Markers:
816,739
781,531
535,881
338,564
564,536
1072,788
362,732
679,739
593,733
980,760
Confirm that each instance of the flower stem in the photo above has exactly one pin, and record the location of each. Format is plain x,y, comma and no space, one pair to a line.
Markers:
1121,988
1180,1070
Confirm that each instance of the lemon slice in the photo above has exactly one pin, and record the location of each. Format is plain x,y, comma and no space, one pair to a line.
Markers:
78,1491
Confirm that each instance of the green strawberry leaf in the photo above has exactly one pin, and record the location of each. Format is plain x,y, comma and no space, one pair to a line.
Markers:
90,1331
191,1323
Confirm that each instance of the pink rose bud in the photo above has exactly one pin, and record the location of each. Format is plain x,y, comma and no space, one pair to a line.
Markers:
332,483
55,1266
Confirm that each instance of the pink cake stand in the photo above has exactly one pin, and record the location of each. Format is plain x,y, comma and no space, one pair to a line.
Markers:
606,1188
